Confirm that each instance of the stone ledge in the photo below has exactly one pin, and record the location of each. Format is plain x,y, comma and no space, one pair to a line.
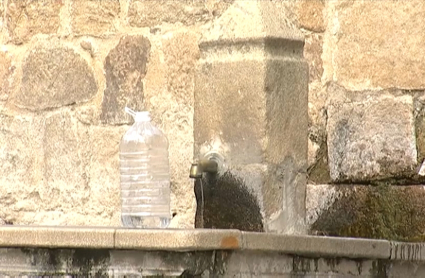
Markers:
57,237
317,246
192,240
178,240
405,251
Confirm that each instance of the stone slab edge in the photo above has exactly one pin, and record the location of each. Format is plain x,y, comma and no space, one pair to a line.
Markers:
318,246
206,239
405,251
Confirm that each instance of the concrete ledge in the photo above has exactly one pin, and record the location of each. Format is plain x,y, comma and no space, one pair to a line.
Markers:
55,237
317,246
202,240
178,240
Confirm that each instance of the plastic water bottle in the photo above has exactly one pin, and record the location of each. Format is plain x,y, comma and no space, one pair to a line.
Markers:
145,175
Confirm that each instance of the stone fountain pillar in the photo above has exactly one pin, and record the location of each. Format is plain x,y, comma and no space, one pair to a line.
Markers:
251,102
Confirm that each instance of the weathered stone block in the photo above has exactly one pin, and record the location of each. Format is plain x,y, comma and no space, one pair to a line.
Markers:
21,157
382,211
171,101
313,49
237,116
26,18
251,106
150,13
310,15
103,173
125,67
93,17
81,174
6,71
64,165
54,77
370,138
371,37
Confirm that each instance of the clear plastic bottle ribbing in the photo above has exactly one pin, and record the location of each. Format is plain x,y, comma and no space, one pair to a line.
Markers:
144,175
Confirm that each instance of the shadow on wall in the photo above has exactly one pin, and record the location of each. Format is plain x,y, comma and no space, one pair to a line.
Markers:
227,204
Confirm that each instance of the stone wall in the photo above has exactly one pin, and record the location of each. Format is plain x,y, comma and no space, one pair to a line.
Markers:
68,68
366,117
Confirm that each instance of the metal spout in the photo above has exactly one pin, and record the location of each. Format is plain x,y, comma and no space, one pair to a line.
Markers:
203,166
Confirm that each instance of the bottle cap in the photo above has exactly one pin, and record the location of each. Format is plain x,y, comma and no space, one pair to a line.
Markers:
143,116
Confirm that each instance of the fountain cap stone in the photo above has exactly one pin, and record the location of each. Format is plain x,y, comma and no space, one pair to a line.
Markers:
252,20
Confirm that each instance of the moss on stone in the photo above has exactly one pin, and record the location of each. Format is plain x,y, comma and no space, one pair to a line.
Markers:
381,212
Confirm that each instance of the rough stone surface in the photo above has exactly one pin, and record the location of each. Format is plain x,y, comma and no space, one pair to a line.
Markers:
26,18
54,77
56,237
125,67
93,17
245,20
6,71
21,156
313,246
310,15
150,13
382,211
169,95
246,98
73,192
103,176
317,97
90,262
318,171
313,49
351,51
64,165
319,197
370,138
216,101
371,37
178,240
57,171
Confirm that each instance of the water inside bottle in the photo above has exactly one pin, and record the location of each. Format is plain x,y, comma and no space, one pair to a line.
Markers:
145,177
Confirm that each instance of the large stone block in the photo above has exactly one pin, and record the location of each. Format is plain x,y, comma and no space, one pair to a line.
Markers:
93,17
376,47
168,95
125,67
228,106
6,71
103,173
64,165
26,18
21,159
310,15
370,138
150,13
251,106
54,76
381,211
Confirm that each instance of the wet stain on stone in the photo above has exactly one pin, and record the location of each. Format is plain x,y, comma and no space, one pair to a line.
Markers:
91,262
228,204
